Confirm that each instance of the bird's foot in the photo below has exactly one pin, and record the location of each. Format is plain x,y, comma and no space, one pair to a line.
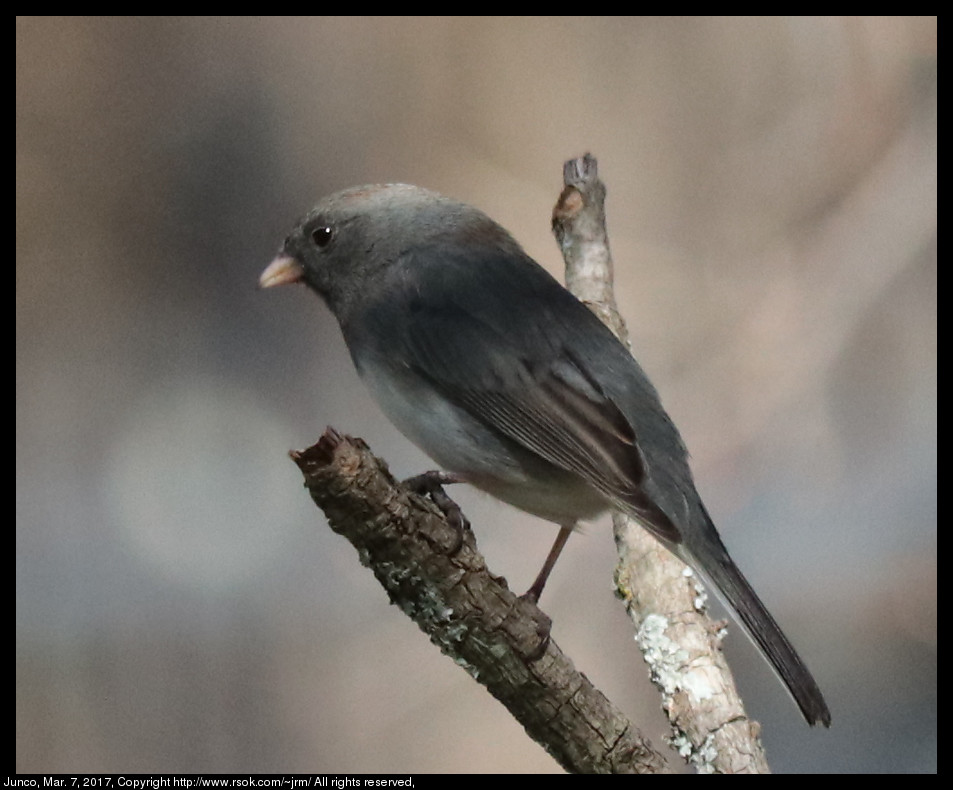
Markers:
431,484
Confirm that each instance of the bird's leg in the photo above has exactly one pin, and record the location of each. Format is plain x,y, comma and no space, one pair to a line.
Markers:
431,484
533,593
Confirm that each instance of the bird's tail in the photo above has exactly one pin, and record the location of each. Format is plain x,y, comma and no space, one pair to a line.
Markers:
707,554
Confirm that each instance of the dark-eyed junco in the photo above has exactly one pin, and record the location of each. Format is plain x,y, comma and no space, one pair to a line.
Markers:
505,379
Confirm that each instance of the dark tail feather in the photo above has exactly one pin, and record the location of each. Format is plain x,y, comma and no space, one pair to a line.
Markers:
708,556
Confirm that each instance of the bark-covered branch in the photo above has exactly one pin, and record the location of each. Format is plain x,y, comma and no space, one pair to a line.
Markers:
679,641
433,572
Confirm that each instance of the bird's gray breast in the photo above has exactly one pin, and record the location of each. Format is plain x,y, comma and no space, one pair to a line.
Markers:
462,444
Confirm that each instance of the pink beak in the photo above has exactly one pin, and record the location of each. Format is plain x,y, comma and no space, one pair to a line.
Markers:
282,270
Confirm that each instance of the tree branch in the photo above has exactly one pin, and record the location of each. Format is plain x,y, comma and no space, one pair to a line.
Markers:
679,641
435,574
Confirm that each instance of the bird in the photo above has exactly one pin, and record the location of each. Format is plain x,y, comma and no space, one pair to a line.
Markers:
508,382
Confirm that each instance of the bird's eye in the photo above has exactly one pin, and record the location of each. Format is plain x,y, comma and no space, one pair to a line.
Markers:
321,236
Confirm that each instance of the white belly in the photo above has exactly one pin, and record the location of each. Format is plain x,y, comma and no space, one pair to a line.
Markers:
461,444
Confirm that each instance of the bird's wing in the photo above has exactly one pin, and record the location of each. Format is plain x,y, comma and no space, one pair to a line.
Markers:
525,373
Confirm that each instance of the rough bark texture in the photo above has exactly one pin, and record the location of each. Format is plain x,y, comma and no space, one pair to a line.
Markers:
433,572
679,641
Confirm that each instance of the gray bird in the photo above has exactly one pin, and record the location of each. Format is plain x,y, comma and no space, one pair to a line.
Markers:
509,382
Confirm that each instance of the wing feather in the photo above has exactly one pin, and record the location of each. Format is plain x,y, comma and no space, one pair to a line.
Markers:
525,377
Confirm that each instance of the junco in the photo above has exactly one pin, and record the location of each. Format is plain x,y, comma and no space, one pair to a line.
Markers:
505,379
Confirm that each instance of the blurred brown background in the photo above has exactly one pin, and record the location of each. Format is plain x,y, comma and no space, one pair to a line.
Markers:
181,605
